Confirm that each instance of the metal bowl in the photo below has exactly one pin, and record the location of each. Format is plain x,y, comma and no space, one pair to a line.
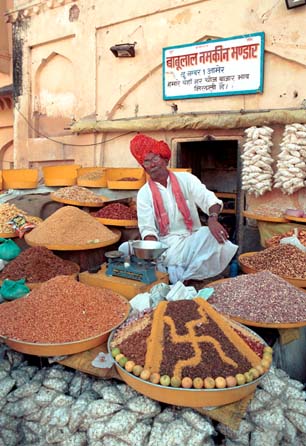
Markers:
148,249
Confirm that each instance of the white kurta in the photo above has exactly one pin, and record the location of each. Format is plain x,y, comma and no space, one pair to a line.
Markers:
195,255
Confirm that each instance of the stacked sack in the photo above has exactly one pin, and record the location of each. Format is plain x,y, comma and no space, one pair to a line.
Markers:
276,416
58,406
55,405
257,172
291,167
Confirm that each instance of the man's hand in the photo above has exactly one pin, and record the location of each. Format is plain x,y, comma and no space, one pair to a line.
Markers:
150,237
217,230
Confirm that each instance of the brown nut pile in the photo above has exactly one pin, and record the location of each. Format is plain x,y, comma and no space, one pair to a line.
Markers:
275,240
78,193
283,260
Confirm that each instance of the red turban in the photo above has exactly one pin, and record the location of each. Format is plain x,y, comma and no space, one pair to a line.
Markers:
141,145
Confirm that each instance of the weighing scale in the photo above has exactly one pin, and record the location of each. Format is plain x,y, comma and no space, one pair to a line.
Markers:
130,274
140,264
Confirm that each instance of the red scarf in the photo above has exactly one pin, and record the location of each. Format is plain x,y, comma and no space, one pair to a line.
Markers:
159,208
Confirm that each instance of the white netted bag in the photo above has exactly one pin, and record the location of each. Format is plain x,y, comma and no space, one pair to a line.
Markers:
269,419
244,429
257,173
265,438
273,385
298,420
177,433
290,432
297,405
290,166
198,421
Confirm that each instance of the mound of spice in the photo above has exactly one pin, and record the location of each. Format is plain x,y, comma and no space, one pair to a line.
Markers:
38,264
9,211
93,175
260,297
62,310
283,260
70,225
117,211
186,339
79,194
128,179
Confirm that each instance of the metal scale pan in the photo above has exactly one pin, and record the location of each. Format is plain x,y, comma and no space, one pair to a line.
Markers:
139,265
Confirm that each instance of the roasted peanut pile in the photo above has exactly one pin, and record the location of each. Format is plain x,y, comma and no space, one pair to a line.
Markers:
260,297
70,225
8,211
283,260
78,193
62,310
274,241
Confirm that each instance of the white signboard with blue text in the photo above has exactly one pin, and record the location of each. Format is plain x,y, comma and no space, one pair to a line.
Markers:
214,68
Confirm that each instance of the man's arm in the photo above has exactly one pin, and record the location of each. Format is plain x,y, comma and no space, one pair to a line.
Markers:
217,230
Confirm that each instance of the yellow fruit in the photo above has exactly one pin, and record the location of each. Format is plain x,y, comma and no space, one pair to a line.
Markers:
145,374
122,361
255,373
165,380
220,382
268,349
198,383
240,379
129,365
154,378
266,363
115,352
117,357
187,382
248,377
260,369
175,381
209,382
137,369
268,357
231,381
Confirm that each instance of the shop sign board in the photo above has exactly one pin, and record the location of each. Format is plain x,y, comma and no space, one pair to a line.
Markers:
221,67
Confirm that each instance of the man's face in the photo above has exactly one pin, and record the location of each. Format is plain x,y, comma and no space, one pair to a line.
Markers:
154,164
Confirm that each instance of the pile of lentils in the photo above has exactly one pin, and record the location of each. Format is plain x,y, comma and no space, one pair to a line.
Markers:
283,260
37,264
117,211
260,297
62,310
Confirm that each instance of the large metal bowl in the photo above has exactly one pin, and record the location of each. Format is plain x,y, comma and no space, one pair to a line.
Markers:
148,249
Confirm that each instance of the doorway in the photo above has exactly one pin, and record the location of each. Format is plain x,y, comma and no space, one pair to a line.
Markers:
216,164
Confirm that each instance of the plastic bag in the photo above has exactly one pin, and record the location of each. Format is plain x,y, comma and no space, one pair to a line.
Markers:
8,249
294,240
20,224
3,263
11,289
